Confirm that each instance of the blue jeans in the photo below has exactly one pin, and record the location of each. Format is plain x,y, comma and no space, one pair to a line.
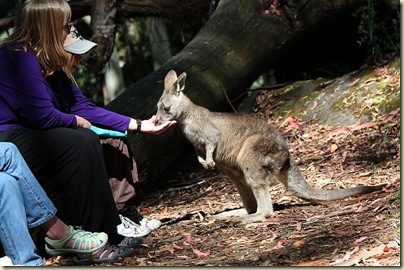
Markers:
23,204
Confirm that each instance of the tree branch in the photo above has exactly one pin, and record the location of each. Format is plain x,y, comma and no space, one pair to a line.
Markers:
145,8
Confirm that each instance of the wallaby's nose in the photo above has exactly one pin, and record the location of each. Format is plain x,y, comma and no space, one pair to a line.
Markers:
156,122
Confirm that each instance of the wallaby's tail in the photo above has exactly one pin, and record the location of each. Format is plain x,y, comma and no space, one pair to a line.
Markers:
299,187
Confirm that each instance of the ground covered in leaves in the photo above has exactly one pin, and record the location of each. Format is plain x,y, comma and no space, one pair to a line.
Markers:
358,231
362,231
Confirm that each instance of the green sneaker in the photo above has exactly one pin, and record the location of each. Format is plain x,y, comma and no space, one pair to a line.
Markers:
84,242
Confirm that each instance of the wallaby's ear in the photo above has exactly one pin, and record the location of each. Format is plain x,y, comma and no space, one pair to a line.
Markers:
181,82
170,79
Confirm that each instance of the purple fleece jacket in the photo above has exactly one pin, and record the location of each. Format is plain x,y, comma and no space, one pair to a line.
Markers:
27,99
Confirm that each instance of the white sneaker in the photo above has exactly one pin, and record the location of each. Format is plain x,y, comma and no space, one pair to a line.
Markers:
6,261
129,228
152,224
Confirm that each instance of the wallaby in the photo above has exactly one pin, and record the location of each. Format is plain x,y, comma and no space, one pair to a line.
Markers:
252,153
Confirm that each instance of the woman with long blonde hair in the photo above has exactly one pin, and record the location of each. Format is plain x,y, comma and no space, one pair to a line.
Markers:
51,130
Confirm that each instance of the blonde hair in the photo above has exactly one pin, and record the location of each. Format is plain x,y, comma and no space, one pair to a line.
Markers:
68,68
38,27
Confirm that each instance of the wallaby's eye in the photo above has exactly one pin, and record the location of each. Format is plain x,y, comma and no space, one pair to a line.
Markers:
167,109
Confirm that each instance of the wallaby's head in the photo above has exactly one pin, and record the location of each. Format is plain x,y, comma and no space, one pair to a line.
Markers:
170,106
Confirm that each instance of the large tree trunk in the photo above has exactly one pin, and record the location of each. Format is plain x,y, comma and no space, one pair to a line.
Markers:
103,25
145,8
240,41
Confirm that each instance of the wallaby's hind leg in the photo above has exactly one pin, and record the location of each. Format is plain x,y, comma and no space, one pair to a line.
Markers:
262,169
254,194
264,204
246,194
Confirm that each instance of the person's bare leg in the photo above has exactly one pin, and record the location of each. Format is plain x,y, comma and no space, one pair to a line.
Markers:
56,229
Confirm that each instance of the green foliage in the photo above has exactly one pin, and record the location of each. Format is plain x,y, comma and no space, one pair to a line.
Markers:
379,31
260,82
396,195
86,81
132,43
8,9
286,233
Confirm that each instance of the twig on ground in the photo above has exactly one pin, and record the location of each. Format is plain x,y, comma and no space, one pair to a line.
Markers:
337,213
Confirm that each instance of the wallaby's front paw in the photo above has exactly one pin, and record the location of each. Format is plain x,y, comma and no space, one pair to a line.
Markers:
204,165
211,165
207,164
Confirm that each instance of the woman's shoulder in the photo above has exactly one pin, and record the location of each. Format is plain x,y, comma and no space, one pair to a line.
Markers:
16,56
19,55
16,52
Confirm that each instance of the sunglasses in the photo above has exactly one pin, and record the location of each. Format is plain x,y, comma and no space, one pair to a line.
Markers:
75,34
68,26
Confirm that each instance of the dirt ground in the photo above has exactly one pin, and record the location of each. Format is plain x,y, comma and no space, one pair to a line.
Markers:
359,231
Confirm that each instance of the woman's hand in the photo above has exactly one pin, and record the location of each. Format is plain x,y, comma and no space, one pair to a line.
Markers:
148,126
82,123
